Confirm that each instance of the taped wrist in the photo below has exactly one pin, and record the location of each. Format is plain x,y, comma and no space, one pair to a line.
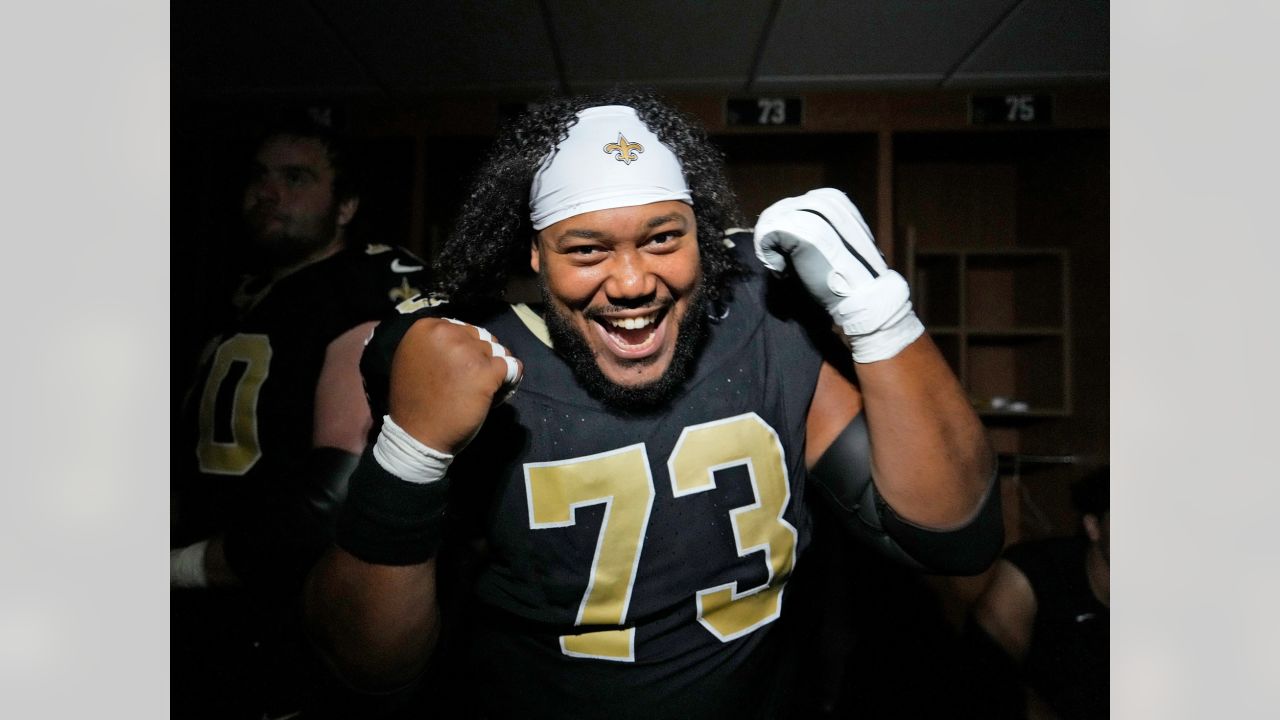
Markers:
403,456
843,479
186,566
394,514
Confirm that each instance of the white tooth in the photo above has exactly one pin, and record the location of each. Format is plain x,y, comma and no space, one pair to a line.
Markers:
632,323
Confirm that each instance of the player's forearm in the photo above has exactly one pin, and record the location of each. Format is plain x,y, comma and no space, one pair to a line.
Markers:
377,625
933,463
371,600
930,457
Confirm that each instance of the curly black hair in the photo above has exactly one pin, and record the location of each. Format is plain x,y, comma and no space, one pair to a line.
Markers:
490,239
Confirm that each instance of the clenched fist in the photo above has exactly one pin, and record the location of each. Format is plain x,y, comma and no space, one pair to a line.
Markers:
824,239
446,376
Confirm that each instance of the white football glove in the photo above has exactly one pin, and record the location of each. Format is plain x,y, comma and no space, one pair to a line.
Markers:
830,248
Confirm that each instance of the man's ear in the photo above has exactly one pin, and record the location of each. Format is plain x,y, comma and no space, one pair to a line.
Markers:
1091,527
535,256
347,210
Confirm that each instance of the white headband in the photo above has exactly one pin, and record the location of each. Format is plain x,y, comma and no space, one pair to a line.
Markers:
609,160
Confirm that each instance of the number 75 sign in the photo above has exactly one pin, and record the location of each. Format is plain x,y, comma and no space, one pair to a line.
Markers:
1011,109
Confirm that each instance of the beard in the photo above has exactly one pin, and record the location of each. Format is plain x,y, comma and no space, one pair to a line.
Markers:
638,399
292,244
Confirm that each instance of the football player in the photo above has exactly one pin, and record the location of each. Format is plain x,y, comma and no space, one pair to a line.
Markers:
274,426
629,458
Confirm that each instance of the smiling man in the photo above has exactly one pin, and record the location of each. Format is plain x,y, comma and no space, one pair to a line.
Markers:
622,293
622,470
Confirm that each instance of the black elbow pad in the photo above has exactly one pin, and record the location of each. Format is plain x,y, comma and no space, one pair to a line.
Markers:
843,478
965,550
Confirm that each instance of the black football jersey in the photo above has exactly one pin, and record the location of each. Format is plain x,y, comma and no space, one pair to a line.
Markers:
636,565
248,418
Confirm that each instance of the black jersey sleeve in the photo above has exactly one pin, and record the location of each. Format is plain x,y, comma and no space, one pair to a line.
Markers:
375,363
374,280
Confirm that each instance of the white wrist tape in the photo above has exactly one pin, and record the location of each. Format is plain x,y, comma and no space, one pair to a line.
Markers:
402,455
186,566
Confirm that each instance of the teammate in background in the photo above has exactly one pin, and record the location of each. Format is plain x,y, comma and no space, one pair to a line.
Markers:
630,459
1048,607
274,424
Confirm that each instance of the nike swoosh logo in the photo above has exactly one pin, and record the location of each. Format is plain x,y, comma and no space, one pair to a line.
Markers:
1084,616
397,267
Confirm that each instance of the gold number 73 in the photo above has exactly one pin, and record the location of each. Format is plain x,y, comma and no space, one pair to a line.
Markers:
622,481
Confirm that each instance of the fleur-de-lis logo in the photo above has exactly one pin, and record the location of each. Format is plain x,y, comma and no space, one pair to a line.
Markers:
624,151
404,292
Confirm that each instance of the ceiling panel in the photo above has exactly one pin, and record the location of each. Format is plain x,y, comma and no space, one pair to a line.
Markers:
1045,40
834,44
405,49
415,47
678,44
